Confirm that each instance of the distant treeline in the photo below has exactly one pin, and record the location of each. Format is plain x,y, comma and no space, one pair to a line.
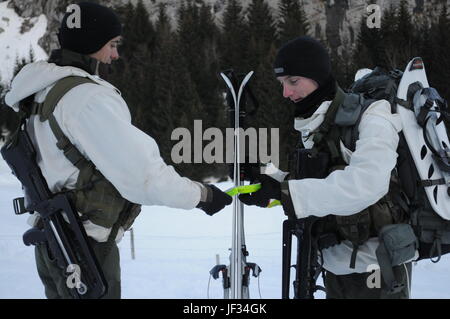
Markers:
170,76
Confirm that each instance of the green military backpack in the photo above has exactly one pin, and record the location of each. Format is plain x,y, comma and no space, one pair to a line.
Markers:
431,229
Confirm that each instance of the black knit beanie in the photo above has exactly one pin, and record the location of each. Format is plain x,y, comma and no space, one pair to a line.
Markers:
98,25
306,57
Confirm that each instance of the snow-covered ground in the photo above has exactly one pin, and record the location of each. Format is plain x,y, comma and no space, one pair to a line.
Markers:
15,45
175,249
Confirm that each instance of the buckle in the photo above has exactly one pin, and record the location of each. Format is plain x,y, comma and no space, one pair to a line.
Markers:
19,206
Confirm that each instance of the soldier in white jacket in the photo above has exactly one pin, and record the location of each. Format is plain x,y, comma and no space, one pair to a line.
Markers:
96,121
337,188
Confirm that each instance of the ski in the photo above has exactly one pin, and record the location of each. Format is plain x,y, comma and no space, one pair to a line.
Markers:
236,277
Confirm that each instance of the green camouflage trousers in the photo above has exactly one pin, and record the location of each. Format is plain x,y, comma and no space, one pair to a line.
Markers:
55,282
354,286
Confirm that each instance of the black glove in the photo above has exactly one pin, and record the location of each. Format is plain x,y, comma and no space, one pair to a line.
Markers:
270,189
215,200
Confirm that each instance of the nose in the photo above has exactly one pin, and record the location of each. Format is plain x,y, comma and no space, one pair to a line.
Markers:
286,91
115,54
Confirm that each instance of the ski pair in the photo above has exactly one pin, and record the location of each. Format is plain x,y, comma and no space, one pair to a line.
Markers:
236,276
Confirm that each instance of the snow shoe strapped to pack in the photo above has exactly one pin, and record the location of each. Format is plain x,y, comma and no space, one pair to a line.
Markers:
428,141
423,166
423,120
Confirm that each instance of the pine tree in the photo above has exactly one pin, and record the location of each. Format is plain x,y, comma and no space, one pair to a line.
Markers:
406,36
438,45
139,32
262,32
233,38
368,50
197,37
163,28
187,105
164,117
274,110
133,73
399,37
292,21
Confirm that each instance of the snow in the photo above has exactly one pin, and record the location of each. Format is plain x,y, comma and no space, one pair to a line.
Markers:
175,249
15,45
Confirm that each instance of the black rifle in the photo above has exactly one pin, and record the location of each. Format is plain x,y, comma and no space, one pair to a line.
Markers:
307,266
62,230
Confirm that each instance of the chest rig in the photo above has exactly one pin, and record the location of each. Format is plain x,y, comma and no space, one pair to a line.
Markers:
94,196
341,126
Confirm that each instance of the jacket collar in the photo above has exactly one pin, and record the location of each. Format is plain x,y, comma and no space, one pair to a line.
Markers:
64,57
314,121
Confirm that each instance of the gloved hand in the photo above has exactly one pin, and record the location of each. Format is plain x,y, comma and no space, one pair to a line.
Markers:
270,189
213,200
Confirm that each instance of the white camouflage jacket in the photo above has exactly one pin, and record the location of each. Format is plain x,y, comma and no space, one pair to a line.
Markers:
97,121
362,183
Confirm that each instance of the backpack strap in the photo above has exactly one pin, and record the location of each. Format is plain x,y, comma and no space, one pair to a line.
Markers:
327,123
350,134
342,121
57,92
45,111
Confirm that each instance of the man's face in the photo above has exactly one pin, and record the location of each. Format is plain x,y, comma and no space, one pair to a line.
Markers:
109,51
296,88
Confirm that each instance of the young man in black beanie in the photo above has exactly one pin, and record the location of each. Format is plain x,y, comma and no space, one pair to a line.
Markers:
86,146
342,180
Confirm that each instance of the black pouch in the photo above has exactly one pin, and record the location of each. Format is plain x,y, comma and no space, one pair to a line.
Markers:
310,163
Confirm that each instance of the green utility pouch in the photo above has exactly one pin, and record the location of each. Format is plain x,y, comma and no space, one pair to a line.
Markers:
356,229
99,201
398,244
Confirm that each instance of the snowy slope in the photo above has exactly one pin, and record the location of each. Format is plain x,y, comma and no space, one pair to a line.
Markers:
15,44
175,249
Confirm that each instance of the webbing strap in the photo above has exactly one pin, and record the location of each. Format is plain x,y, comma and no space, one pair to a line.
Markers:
431,182
36,108
45,112
353,257
58,91
329,117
